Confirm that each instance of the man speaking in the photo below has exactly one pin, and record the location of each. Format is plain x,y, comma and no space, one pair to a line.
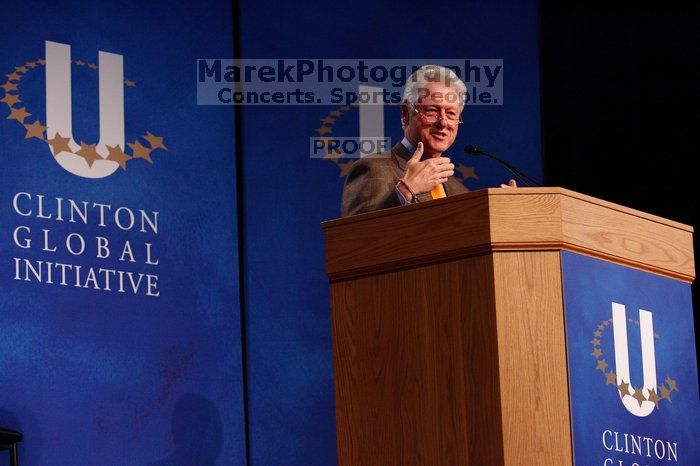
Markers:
416,169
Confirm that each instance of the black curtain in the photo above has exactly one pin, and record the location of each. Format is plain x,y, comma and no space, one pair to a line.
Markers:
620,106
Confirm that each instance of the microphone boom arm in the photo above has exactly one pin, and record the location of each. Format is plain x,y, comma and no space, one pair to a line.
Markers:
528,181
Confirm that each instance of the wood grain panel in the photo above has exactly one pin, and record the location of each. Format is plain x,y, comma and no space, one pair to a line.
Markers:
627,238
491,192
415,352
480,348
532,358
534,219
406,236
516,219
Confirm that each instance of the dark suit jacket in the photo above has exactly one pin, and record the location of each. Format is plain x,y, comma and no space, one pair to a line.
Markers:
371,182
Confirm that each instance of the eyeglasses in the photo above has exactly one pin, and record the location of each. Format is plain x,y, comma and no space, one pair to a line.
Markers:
432,115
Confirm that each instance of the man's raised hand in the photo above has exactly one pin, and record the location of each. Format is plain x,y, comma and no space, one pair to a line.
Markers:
423,176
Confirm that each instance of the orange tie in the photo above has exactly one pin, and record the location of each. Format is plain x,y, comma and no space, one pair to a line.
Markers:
438,192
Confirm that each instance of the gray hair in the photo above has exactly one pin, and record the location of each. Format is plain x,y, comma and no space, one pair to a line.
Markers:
427,74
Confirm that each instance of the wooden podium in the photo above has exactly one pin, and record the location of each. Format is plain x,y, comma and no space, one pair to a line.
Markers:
448,323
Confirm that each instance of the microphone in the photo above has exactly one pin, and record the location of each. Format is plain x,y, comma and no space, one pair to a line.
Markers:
526,180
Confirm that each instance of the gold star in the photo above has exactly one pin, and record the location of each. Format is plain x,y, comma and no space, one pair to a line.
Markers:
597,352
93,66
129,83
8,86
671,384
35,130
345,167
30,64
89,153
18,114
344,108
59,144
665,393
13,77
624,388
602,365
325,141
595,342
334,155
639,395
139,151
10,99
41,61
323,129
335,113
601,327
654,398
610,378
328,120
79,62
21,69
116,154
597,333
467,172
156,142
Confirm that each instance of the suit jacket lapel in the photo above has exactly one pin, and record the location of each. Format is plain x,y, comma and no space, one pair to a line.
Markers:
449,187
400,155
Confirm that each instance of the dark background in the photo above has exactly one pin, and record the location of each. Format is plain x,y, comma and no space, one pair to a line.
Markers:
620,107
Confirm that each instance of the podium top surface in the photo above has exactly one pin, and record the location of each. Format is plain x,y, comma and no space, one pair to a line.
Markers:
501,219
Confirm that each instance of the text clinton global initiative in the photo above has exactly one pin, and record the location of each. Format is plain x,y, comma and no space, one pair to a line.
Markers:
53,234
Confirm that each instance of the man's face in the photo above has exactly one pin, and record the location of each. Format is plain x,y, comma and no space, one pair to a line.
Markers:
437,121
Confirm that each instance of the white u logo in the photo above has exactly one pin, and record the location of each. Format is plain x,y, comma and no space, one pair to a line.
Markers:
622,365
59,119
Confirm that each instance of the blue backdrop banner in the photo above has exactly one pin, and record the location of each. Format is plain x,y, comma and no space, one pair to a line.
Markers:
632,370
119,306
119,311
288,188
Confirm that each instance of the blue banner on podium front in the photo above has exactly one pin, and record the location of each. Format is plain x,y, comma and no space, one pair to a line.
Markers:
632,366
